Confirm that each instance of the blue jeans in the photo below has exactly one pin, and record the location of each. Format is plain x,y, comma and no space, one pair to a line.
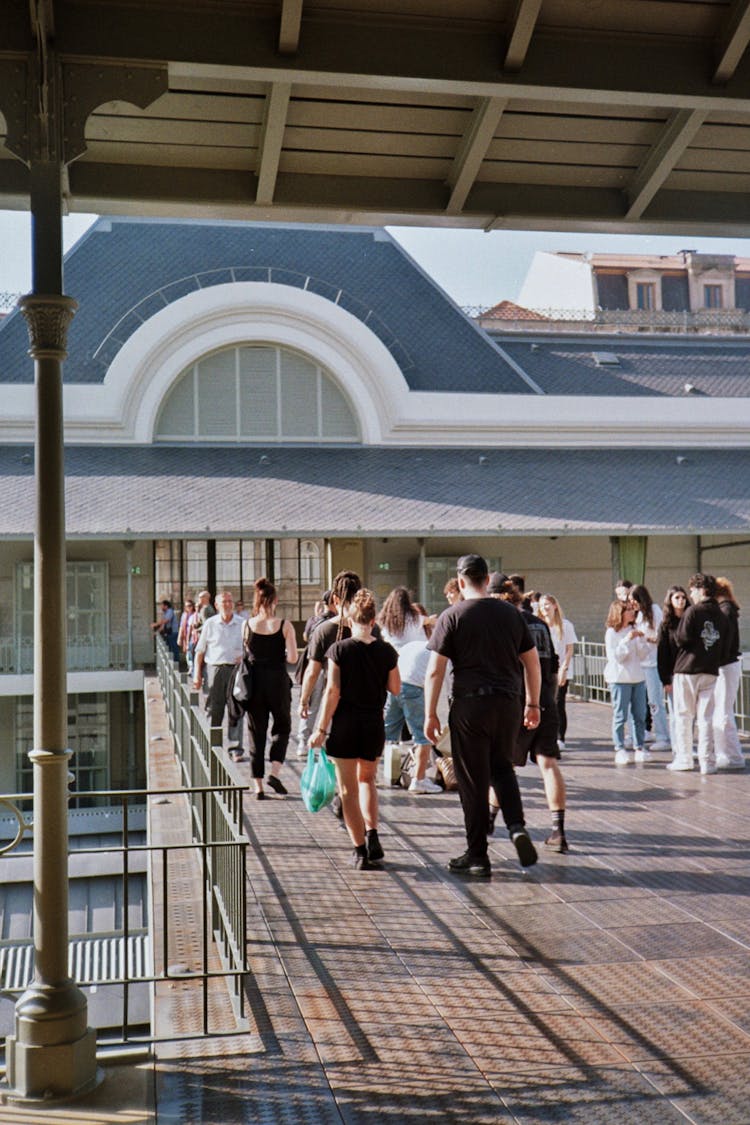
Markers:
628,698
408,705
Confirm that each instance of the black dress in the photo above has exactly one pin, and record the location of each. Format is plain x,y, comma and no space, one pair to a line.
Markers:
271,698
357,729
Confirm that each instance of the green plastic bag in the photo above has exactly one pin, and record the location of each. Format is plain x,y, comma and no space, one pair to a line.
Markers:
318,782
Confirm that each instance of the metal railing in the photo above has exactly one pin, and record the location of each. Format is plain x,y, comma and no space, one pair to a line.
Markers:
131,958
608,320
219,820
84,654
587,680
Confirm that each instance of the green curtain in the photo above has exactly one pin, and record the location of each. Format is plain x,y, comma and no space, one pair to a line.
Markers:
629,558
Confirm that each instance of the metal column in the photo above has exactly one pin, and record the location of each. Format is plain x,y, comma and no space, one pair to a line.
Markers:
53,1051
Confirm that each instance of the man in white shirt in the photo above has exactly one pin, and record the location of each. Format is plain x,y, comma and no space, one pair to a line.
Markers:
220,648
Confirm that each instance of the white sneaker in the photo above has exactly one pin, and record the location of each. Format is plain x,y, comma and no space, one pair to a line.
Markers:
622,758
649,736
424,785
678,765
729,764
642,755
661,745
560,744
708,767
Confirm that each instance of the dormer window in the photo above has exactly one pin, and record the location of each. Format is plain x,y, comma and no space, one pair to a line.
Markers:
645,295
713,296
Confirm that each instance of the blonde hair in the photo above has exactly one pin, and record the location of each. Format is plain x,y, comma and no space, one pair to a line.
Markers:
556,615
362,608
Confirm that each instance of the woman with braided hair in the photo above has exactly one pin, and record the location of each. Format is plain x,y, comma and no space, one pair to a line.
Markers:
361,670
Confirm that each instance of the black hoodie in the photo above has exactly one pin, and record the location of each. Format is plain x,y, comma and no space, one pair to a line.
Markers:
701,638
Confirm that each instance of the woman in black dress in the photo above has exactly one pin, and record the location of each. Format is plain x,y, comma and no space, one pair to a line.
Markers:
361,671
272,645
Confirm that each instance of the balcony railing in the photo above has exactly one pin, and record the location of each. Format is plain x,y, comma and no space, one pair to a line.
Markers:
613,320
84,654
587,681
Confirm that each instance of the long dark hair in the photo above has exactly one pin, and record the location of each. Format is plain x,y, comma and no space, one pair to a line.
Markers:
644,601
670,619
345,585
264,596
398,612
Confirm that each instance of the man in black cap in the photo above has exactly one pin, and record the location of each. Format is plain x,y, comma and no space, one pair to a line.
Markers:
493,657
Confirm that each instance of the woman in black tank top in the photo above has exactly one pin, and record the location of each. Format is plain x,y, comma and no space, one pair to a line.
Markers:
271,644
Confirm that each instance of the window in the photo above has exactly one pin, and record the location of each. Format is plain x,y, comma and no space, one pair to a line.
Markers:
713,297
645,295
309,563
258,393
87,593
88,738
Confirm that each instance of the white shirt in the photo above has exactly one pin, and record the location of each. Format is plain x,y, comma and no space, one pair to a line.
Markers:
414,631
651,633
221,640
624,656
561,642
412,662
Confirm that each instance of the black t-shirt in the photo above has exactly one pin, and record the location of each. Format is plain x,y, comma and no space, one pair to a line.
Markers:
364,672
483,638
548,659
326,634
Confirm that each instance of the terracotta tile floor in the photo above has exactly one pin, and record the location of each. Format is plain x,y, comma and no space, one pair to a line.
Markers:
611,984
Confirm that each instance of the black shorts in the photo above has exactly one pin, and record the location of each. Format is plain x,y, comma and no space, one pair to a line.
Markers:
356,736
542,741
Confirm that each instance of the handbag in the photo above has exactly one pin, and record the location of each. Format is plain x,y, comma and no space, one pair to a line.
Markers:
241,683
318,782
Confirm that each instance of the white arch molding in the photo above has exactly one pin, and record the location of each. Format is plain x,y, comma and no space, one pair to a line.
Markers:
245,313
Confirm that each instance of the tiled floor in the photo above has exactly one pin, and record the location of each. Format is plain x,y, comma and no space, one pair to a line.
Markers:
611,984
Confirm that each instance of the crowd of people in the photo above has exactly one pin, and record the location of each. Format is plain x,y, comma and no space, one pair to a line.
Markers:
678,666
502,656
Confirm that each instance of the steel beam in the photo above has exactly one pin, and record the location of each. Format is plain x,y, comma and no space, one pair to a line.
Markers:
732,43
272,139
661,160
290,26
468,161
527,13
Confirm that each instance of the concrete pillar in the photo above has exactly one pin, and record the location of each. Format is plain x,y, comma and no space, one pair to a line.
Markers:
53,1051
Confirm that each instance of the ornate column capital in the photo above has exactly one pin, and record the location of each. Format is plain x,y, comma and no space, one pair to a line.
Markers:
47,319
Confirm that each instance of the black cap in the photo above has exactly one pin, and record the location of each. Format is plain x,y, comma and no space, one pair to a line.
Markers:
474,566
497,581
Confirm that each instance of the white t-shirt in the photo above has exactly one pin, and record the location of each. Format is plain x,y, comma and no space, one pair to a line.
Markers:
221,640
561,642
651,633
412,662
414,631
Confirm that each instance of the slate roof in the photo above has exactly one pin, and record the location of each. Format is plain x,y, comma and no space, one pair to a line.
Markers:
652,368
163,491
124,270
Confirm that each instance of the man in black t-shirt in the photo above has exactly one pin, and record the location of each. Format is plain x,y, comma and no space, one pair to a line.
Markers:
490,648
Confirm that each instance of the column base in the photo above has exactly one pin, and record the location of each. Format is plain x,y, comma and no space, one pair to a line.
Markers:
47,1074
53,1052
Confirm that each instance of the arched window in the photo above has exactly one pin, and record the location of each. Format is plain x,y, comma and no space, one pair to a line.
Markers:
256,393
309,562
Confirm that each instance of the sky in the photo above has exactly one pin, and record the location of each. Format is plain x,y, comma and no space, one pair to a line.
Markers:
474,268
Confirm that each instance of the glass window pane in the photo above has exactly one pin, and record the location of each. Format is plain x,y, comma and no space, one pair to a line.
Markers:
217,395
228,565
338,420
258,393
177,418
196,565
299,397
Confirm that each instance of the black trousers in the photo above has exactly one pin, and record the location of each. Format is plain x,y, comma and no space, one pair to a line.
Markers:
271,698
483,733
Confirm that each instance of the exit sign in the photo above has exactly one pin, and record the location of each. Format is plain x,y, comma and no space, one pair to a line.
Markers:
384,566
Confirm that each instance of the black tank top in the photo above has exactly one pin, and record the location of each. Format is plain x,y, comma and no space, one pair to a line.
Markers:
268,650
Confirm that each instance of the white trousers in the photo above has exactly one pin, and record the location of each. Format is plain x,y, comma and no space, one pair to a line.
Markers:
726,739
693,698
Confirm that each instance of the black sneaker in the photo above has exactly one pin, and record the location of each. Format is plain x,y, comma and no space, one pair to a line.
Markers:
337,808
556,840
374,847
277,785
360,860
468,864
494,810
524,846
